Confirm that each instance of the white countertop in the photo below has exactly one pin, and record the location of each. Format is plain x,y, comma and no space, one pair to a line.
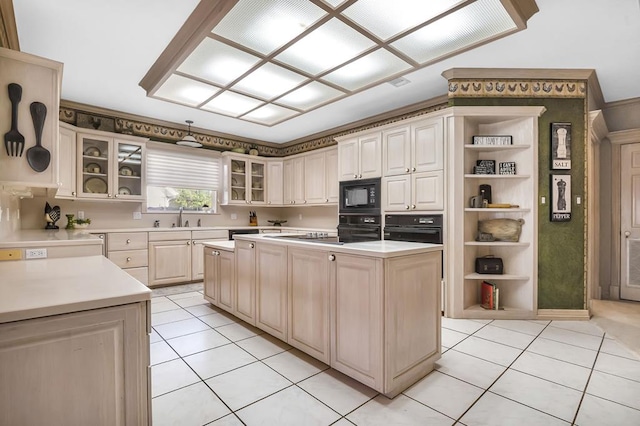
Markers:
221,245
381,248
208,228
53,237
45,287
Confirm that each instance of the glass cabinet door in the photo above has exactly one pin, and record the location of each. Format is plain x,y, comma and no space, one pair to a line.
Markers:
238,180
257,182
95,173
129,175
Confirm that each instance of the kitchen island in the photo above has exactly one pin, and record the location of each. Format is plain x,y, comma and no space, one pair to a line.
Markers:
370,310
74,334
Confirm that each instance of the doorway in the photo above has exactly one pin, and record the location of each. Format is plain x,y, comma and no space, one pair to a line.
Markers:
630,222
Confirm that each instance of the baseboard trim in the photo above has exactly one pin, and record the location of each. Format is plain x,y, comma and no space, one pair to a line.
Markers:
564,314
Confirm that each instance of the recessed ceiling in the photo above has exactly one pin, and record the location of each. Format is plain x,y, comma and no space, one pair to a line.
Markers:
276,60
108,47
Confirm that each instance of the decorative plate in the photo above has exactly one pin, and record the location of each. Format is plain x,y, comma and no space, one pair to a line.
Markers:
123,190
126,171
92,151
95,185
93,168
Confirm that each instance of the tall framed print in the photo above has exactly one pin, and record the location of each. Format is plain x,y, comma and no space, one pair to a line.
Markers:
560,146
560,198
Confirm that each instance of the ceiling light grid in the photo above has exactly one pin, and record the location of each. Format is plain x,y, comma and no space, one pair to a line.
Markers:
270,61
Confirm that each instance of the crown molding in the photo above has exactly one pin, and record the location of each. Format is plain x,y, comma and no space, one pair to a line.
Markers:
8,28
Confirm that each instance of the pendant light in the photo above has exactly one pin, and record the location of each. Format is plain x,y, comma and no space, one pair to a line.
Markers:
188,139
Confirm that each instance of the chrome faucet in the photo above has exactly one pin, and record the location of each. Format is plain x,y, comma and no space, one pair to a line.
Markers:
180,218
186,224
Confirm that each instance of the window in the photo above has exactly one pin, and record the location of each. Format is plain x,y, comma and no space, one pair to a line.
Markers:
179,177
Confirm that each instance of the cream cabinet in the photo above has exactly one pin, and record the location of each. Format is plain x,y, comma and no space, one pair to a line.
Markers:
169,257
110,167
103,356
294,181
413,159
245,296
211,281
314,180
129,250
220,278
245,179
515,197
275,183
40,80
197,249
332,186
271,289
360,157
308,318
66,162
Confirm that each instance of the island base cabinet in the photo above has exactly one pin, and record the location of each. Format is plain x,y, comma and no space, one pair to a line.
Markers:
245,308
211,281
308,321
219,278
357,322
412,319
271,289
84,368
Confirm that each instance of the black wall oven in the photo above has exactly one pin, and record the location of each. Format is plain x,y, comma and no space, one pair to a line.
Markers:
413,228
360,197
359,228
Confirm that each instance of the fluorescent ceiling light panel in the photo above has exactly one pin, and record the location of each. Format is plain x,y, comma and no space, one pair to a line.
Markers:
373,67
334,3
185,91
480,21
325,47
269,81
229,103
309,96
217,62
266,25
270,114
386,18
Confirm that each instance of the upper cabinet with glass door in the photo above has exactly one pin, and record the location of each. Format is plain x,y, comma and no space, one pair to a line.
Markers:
245,180
110,168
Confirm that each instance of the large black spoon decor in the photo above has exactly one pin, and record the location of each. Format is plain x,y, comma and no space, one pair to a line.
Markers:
38,157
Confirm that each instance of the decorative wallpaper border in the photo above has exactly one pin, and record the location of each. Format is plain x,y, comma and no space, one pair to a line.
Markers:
517,88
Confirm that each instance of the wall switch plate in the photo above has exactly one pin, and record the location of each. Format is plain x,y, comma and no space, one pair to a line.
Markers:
543,200
234,216
80,214
137,215
300,216
578,200
36,253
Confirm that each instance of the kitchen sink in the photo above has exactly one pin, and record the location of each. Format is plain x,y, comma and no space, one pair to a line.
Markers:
308,238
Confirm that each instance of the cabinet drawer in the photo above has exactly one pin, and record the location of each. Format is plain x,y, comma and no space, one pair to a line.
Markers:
126,241
169,235
140,274
129,258
210,235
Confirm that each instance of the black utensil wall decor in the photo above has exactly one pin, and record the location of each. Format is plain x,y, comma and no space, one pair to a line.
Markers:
38,156
13,139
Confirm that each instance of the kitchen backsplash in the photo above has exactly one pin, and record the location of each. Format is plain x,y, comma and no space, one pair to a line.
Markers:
120,215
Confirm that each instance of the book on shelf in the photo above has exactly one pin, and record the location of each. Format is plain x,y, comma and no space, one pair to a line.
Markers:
490,294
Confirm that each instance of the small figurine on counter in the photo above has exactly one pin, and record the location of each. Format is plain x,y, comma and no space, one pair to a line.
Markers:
51,216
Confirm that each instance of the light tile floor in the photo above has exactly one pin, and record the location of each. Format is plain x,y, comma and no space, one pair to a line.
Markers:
209,367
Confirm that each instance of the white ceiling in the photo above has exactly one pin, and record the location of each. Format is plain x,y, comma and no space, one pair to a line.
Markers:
108,46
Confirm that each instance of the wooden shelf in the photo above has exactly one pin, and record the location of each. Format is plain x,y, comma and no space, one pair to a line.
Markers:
500,277
497,244
494,210
478,312
490,148
485,176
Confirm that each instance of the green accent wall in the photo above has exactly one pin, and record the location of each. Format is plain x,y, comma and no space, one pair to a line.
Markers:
561,245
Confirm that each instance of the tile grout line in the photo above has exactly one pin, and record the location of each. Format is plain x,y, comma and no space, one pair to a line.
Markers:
586,385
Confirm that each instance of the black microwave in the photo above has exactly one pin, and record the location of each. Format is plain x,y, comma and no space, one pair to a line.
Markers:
360,196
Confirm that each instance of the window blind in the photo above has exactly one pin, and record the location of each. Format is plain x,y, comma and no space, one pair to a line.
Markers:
182,168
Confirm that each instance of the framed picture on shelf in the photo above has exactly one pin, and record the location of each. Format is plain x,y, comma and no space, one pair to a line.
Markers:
507,168
492,140
485,167
560,146
560,198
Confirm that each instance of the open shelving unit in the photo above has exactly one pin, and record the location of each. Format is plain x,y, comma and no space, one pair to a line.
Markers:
518,284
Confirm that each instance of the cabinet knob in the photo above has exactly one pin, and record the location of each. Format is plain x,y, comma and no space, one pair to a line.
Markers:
627,234
115,196
355,176
326,200
246,201
101,237
188,243
217,253
406,170
252,245
332,257
109,196
128,259
359,176
304,202
406,207
413,206
128,241
268,202
73,193
413,169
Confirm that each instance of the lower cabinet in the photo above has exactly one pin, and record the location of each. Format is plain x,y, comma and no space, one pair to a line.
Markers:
357,322
102,356
271,289
219,278
169,257
129,250
245,308
308,319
